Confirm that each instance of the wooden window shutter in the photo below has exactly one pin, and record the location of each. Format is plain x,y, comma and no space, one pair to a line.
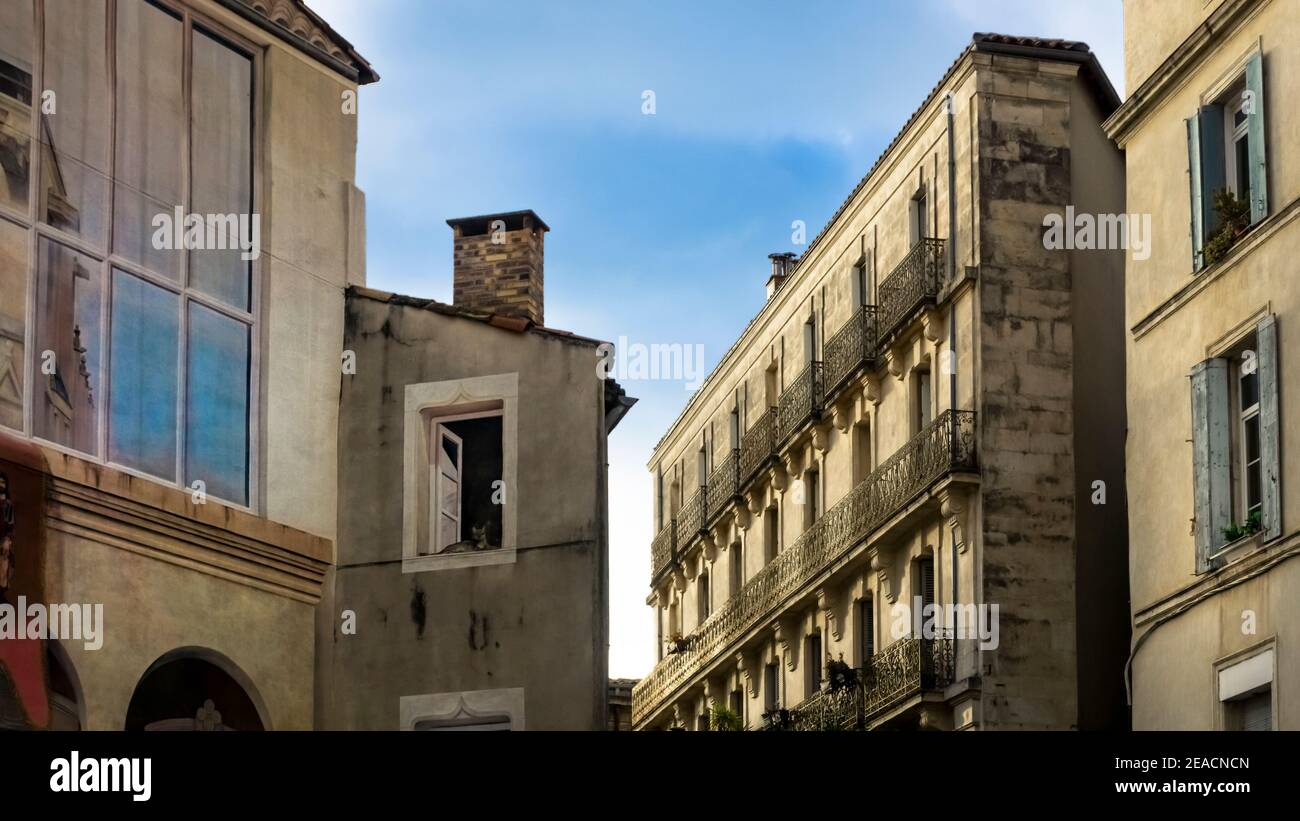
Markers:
1194,190
1269,437
1255,139
1211,465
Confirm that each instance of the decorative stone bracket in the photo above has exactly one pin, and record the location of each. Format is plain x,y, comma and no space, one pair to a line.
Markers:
954,507
786,639
827,603
933,324
880,564
745,671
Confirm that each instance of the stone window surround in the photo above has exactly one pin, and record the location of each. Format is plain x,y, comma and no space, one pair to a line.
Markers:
428,400
1243,672
459,706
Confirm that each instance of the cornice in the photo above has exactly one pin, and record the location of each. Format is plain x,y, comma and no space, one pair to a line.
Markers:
294,22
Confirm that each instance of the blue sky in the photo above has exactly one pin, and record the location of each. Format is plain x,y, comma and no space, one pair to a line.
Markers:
660,225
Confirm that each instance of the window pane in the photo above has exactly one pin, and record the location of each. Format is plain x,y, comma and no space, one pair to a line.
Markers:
74,137
143,379
223,164
67,347
150,134
1250,389
13,322
216,426
16,37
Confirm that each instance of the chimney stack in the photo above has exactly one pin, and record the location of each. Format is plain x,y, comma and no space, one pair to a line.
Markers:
782,266
497,264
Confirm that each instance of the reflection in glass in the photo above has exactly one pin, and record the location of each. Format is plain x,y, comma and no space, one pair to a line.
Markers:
223,162
150,131
216,420
16,35
13,322
74,138
143,378
68,359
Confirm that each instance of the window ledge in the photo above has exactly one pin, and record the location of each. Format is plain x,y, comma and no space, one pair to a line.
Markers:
457,561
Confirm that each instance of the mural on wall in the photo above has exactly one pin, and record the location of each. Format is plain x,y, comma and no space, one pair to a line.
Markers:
24,696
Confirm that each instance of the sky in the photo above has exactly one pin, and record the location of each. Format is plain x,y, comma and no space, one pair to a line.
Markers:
764,113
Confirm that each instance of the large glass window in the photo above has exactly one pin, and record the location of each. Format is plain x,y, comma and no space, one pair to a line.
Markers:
142,227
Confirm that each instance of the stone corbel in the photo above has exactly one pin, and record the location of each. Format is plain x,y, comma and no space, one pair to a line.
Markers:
750,681
953,506
821,437
826,604
679,580
894,363
842,415
880,564
870,391
680,716
777,477
756,498
792,461
692,566
783,636
740,517
933,324
708,548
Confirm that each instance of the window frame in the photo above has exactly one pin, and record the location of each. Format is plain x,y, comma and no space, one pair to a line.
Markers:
108,260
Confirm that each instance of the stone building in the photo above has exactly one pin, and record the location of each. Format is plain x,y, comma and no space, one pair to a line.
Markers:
473,544
620,704
170,417
927,411
1214,521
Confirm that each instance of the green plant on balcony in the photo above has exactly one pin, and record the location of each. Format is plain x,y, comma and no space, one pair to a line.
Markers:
1234,221
840,676
678,643
1251,526
725,720
776,720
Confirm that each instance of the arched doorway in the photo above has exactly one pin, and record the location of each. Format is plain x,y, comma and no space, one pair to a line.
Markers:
67,706
194,688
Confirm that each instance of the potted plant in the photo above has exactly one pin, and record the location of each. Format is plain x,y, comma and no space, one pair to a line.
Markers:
839,675
724,719
1250,527
1234,221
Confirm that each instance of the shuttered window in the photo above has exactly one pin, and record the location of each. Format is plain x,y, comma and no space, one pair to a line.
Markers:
1226,150
867,618
814,663
1236,450
1256,712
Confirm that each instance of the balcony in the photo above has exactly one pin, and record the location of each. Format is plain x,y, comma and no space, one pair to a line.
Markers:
724,486
758,446
851,350
689,522
946,445
913,283
663,550
902,671
801,403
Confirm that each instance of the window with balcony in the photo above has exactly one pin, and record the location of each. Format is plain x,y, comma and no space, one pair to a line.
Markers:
922,399
705,605
923,583
866,630
771,688
813,650
1236,444
861,452
142,349
811,497
771,533
737,704
1227,164
737,567
918,216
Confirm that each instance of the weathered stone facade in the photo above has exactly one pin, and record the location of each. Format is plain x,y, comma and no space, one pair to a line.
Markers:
949,455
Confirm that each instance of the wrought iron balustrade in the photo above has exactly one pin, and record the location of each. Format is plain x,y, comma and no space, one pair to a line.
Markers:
852,348
946,445
758,445
663,549
724,484
829,710
690,519
801,402
914,282
904,669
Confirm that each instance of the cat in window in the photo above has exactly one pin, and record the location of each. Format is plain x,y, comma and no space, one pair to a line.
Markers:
478,541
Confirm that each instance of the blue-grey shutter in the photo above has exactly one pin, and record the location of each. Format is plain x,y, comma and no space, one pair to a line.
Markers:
1255,139
1214,165
1211,466
1270,450
1194,189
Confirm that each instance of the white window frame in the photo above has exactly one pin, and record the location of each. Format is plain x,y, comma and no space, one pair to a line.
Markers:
465,710
446,401
1242,674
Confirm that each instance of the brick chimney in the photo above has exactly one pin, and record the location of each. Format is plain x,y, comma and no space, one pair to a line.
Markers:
497,264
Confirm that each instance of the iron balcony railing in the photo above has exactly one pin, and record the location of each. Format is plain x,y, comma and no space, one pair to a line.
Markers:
914,282
946,445
758,446
906,668
724,485
851,349
663,550
801,402
690,519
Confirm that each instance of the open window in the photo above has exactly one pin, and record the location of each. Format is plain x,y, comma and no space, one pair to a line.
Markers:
1226,156
466,492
